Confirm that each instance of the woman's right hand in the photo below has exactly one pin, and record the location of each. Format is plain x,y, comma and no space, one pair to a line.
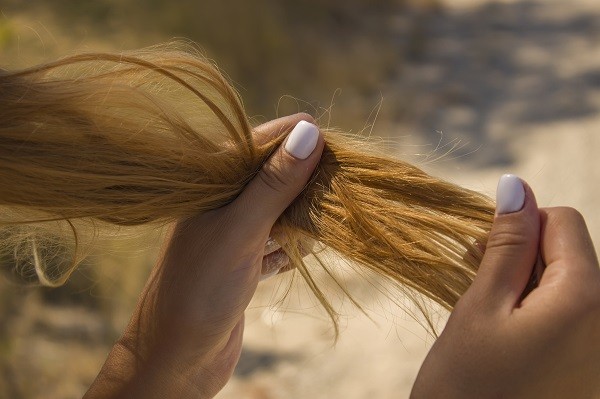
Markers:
499,345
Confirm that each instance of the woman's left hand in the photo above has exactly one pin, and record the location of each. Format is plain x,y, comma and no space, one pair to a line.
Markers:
185,336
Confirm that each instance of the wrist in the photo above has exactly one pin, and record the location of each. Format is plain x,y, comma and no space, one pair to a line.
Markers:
167,368
160,374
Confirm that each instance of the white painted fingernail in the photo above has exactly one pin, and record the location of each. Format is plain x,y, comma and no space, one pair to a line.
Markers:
303,139
510,195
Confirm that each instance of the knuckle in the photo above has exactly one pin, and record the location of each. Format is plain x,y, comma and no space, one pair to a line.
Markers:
474,305
469,314
507,237
563,213
560,217
273,175
568,213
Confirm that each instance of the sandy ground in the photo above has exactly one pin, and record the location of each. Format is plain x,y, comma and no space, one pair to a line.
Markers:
527,103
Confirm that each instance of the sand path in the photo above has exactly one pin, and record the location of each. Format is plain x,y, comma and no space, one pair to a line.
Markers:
518,82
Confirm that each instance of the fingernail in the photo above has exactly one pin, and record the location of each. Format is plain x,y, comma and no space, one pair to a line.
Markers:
510,195
302,140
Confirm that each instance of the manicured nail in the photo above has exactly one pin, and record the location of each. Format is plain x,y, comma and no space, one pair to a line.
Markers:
302,140
510,195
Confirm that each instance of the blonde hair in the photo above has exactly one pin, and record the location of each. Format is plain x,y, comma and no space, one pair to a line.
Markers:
98,140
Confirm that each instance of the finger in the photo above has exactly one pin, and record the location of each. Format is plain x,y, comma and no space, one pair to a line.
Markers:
280,180
276,261
268,131
271,246
566,240
273,263
535,278
512,247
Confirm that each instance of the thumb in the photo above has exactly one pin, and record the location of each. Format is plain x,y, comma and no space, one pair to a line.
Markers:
513,244
281,178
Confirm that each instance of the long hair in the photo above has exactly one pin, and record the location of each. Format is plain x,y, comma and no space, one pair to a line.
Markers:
95,141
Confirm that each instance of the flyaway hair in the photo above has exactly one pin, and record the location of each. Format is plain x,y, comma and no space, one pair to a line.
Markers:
100,140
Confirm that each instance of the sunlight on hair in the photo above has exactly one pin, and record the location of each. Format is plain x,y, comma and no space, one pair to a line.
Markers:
95,143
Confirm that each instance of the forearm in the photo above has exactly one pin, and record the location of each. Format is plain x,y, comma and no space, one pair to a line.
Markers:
125,375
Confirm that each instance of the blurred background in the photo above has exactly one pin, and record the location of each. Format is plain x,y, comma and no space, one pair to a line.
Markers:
467,89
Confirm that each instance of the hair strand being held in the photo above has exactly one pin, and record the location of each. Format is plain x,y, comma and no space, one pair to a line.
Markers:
95,141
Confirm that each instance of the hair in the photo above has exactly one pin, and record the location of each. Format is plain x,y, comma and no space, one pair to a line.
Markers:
95,141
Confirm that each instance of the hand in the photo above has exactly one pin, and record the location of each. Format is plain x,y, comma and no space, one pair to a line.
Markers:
499,345
185,337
